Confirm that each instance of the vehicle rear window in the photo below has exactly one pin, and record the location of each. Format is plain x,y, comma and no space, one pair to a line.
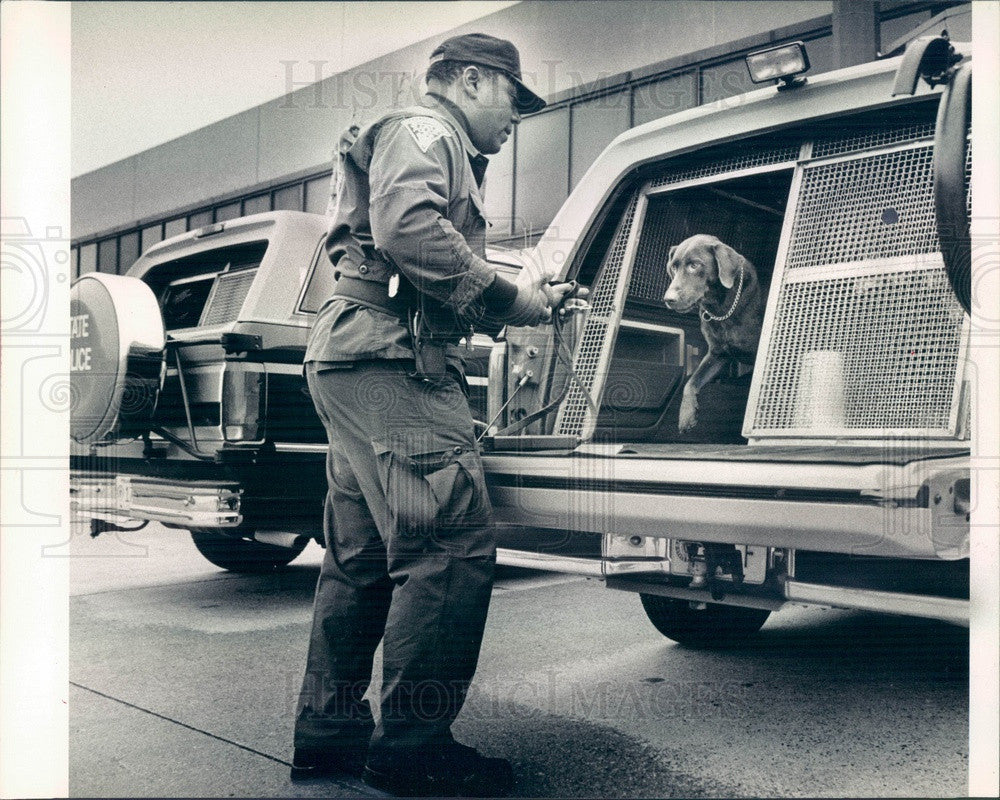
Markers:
183,301
206,288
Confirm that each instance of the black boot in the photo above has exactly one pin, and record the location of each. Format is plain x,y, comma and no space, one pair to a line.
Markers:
308,762
345,756
454,770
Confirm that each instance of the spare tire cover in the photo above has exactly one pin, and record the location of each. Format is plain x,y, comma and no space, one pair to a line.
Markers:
117,365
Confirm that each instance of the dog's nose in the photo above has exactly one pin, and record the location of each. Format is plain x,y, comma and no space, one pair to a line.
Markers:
670,298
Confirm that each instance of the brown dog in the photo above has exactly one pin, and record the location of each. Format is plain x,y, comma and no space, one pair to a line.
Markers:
708,274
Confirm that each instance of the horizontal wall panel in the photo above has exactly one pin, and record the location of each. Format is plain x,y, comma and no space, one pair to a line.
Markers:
595,123
562,45
499,198
209,162
666,96
542,169
103,198
295,134
300,130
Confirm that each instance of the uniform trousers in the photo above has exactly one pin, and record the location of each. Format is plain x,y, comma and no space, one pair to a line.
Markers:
410,556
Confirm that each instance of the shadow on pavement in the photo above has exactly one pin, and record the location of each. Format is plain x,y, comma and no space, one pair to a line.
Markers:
883,646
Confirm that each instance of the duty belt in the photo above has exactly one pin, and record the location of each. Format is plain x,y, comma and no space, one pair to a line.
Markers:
373,294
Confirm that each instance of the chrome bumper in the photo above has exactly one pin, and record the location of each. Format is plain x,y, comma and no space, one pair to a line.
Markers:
186,504
591,493
633,574
946,609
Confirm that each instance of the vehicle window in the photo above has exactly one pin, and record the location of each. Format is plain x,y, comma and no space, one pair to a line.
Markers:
206,288
320,285
183,301
657,348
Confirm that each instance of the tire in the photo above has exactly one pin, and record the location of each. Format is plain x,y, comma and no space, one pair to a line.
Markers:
713,626
243,555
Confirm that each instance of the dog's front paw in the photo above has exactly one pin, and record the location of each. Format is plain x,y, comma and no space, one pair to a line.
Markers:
688,417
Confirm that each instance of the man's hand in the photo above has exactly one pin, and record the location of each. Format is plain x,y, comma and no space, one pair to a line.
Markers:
555,292
534,305
560,296
563,294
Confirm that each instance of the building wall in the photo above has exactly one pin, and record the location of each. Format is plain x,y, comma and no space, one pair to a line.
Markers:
603,66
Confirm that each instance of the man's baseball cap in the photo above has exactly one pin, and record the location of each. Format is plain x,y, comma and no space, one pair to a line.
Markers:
480,48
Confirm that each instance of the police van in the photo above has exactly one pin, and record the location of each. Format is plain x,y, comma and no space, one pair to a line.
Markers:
833,471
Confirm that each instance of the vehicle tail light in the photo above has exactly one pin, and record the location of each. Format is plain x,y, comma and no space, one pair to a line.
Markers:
244,402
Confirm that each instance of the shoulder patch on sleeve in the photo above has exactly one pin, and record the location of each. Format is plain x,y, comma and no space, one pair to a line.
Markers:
426,130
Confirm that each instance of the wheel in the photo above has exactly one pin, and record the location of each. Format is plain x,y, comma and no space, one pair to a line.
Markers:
714,625
243,555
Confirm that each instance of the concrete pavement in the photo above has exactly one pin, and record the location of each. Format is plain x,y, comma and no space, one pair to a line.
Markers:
184,683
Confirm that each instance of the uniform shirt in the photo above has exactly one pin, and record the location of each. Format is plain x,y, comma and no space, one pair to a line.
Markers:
412,189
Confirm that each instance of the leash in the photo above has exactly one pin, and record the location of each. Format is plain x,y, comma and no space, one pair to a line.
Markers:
563,355
705,315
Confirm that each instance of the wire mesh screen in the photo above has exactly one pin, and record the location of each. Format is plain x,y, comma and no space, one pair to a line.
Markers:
230,292
749,155
968,176
876,207
870,138
866,334
861,352
662,228
575,411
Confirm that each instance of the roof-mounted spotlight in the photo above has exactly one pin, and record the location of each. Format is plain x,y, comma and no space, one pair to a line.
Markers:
783,64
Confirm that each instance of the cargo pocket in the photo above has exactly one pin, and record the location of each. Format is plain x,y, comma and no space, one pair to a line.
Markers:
430,491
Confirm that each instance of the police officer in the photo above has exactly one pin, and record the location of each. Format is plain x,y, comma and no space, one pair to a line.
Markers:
410,549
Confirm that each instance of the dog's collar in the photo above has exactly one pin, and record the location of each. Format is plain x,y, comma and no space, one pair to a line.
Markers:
705,315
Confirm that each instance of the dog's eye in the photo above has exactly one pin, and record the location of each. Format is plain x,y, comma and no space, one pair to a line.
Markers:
694,266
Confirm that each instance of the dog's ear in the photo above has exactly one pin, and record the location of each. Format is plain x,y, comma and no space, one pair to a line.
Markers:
729,262
670,260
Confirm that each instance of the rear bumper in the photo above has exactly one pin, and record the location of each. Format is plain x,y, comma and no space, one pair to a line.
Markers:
186,504
947,609
884,510
640,575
